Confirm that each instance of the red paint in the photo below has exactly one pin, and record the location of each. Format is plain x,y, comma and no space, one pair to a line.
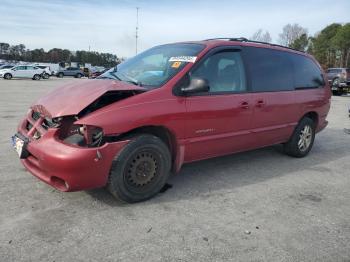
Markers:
201,126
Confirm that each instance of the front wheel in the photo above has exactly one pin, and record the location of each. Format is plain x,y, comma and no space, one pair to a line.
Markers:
301,142
79,76
36,77
7,76
60,75
140,170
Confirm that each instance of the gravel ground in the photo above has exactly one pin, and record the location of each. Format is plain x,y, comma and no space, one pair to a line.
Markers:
256,206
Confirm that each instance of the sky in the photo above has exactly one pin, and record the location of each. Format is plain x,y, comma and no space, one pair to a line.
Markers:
109,25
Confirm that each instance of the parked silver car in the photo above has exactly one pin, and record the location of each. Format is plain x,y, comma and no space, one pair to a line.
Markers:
22,71
70,71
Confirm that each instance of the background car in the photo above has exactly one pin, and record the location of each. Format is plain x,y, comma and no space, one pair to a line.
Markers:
22,71
97,73
339,78
70,71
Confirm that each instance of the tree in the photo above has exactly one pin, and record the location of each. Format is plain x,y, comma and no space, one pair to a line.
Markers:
341,42
323,47
259,35
4,48
290,33
301,43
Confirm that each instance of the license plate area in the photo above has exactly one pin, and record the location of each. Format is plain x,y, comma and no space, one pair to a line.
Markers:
20,144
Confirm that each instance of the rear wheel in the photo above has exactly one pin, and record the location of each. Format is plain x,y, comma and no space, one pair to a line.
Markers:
8,76
36,77
140,170
301,142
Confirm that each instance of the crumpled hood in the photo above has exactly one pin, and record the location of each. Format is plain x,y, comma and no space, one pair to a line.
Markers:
74,97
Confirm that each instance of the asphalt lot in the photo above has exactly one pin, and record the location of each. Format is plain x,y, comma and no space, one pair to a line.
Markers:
255,206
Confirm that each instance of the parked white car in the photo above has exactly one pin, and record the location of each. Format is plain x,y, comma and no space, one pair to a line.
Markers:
22,71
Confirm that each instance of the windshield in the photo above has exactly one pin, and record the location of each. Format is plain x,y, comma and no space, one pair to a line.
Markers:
155,66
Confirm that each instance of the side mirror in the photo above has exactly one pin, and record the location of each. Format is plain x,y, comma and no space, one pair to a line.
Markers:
13,69
196,85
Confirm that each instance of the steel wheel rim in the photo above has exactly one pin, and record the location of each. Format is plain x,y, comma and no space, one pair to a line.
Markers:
142,170
305,138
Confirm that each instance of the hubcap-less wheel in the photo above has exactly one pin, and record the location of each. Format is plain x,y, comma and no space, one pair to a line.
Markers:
305,138
141,170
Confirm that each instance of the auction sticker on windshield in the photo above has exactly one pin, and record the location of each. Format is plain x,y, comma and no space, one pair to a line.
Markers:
188,59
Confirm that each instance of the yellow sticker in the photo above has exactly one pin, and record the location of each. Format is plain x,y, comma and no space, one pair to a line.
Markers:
176,65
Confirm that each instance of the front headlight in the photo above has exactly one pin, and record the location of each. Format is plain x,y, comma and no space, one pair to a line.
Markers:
84,135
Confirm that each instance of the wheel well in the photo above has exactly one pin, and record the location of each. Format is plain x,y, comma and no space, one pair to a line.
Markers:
159,131
313,115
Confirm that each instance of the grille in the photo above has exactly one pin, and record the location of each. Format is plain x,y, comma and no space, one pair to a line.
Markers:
35,115
35,125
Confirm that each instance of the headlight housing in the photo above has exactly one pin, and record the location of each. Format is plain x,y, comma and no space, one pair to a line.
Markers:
82,135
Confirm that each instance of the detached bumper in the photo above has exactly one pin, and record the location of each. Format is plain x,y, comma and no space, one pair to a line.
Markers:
67,167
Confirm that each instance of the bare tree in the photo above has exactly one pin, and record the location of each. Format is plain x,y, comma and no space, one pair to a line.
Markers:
259,35
290,33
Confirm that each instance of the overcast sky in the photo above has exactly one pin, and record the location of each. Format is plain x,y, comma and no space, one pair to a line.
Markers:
109,26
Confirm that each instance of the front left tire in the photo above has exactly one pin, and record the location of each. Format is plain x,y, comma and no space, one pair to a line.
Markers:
8,76
140,170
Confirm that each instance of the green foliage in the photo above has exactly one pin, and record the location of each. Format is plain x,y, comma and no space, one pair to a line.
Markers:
301,43
56,55
322,47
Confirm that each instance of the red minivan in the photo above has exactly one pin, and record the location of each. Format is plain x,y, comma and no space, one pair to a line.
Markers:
170,105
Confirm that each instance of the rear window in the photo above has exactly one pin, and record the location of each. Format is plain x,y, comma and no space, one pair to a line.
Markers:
269,70
307,72
333,70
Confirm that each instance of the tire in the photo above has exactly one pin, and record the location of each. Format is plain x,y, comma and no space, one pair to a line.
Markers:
8,76
335,82
36,77
305,131
60,75
46,76
79,76
140,170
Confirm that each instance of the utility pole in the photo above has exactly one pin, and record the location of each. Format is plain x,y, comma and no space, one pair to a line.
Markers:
137,26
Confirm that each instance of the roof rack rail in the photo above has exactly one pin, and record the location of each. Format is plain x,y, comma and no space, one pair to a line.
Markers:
243,39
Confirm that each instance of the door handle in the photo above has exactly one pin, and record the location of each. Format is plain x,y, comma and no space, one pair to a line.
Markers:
244,105
260,103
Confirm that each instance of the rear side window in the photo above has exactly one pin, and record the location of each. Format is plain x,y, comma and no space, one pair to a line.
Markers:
269,70
333,71
307,73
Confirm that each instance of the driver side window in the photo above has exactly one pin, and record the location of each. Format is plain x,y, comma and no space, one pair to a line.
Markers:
224,72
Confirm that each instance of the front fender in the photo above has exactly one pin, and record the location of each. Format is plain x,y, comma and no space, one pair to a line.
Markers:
168,113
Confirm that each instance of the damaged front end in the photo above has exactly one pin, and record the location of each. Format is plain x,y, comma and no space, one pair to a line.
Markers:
67,155
39,120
